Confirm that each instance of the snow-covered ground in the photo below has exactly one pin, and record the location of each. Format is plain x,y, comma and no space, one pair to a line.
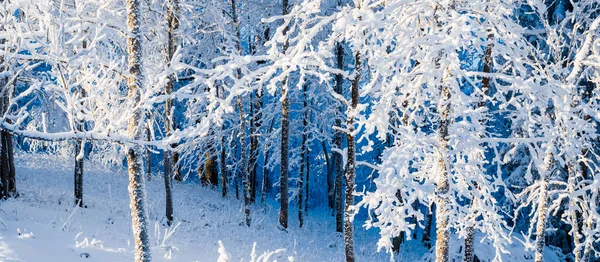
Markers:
43,225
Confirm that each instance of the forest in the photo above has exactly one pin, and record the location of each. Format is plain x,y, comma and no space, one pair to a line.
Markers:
305,130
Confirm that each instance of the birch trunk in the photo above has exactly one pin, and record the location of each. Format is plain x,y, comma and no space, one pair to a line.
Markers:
137,191
542,212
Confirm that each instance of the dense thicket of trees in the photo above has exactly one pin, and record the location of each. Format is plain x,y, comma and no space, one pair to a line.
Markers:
457,117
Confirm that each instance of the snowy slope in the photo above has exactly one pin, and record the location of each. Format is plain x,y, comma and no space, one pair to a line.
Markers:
62,233
51,229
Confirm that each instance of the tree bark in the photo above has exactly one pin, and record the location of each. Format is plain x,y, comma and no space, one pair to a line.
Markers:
303,163
223,166
351,173
136,186
442,245
542,212
337,158
244,167
78,179
171,158
285,125
148,152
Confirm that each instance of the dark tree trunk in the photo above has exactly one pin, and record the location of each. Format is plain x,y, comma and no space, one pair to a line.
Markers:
337,158
148,152
171,157
223,165
306,196
242,137
78,179
303,163
4,169
285,125
426,238
351,173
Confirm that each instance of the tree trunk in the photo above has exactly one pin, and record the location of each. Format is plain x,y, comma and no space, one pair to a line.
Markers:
574,217
336,180
541,223
338,160
171,158
285,136
542,215
426,238
442,245
4,172
303,163
12,182
306,196
469,245
78,179
223,166
351,173
244,167
148,152
136,187
254,135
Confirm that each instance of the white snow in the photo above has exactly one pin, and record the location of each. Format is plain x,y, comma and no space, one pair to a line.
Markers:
103,230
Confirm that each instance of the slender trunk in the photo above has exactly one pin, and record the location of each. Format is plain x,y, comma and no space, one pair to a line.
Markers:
254,136
244,170
574,217
285,125
137,190
78,179
168,198
12,182
171,165
351,173
223,168
337,158
148,152
442,245
541,221
303,152
330,179
301,183
172,156
4,172
469,247
426,238
245,179
542,212
307,162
